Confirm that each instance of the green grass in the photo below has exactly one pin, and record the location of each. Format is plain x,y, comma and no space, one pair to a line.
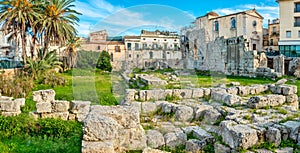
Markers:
85,85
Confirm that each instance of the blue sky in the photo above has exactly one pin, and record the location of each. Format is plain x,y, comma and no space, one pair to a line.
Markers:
128,17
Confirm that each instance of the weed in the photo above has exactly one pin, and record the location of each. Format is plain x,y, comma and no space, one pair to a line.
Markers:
171,98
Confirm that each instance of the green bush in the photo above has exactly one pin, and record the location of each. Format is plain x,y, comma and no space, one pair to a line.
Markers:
104,62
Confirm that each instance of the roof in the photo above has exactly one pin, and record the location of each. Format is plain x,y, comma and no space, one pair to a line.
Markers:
243,12
132,37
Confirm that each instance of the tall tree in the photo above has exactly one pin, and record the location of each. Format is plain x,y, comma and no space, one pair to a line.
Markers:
70,53
19,15
58,22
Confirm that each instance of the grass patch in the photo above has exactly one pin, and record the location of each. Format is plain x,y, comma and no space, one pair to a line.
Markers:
171,98
177,149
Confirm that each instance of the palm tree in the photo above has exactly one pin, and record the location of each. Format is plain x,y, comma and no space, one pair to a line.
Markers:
18,16
70,54
58,22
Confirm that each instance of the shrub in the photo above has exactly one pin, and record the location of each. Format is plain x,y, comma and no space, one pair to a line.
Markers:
104,62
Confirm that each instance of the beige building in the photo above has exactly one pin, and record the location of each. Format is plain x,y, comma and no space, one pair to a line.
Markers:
223,43
100,41
274,35
289,44
153,49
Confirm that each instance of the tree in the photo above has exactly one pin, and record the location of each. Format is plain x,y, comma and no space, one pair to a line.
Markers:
104,62
70,53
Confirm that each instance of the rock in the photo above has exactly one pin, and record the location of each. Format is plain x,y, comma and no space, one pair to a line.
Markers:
289,89
9,114
283,131
238,136
196,146
149,107
130,95
200,109
211,116
168,107
155,95
21,101
219,148
97,147
291,98
263,151
43,107
142,95
155,139
235,83
200,133
10,106
184,113
133,138
232,90
61,115
273,135
136,106
264,101
100,128
284,150
198,93
44,96
293,127
149,150
175,139
206,91
71,117
61,106
281,81
183,93
80,107
243,90
231,100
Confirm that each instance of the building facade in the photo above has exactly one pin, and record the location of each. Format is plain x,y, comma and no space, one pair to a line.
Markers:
153,49
289,43
273,34
223,43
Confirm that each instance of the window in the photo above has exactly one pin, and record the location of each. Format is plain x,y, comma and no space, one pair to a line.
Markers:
216,26
233,23
271,42
254,23
165,46
129,55
136,46
297,7
288,34
297,22
175,47
254,46
298,34
144,46
151,55
117,49
99,47
154,46
129,46
274,29
111,57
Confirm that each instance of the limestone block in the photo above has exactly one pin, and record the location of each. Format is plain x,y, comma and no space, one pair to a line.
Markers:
21,101
200,133
206,91
155,139
168,107
174,139
136,106
283,131
9,114
289,89
130,95
238,136
219,148
291,98
230,99
100,128
158,94
132,138
184,113
293,127
143,95
211,116
273,135
98,147
43,107
198,93
285,150
61,115
281,81
10,106
80,107
149,107
200,109
232,90
72,116
263,101
243,90
149,150
196,146
44,96
61,106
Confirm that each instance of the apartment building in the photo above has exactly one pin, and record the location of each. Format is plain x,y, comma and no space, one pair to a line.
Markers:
273,34
289,43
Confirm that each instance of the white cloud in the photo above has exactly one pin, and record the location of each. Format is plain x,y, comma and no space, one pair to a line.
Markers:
268,12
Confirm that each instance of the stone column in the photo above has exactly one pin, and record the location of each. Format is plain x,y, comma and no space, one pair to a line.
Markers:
278,64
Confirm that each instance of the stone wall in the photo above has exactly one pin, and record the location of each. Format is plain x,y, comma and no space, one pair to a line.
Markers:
10,106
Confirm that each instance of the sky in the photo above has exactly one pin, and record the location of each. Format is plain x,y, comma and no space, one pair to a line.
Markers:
129,17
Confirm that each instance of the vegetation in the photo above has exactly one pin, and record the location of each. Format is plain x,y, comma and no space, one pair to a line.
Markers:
104,62
87,59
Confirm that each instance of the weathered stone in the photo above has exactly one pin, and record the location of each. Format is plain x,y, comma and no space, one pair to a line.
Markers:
61,115
196,146
291,98
263,101
149,150
232,90
273,135
234,83
10,106
155,139
142,95
130,95
283,131
288,89
175,139
100,128
293,127
200,109
43,107
219,148
21,101
44,96
168,107
206,91
281,81
133,138
184,113
183,93
149,107
218,96
263,151
285,150
211,116
243,90
71,117
278,64
9,114
230,99
153,95
136,106
98,147
200,133
238,136
61,106
198,93
80,107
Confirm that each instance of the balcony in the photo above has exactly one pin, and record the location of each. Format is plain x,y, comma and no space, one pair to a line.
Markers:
296,24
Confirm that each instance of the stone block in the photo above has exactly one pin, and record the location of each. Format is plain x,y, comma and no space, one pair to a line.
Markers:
263,101
130,95
273,136
200,109
98,147
149,107
44,96
80,107
293,128
184,113
61,106
10,106
71,117
155,139
211,116
21,101
198,93
61,115
174,139
43,107
9,114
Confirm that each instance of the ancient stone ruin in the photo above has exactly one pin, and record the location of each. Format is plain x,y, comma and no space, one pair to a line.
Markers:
10,106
